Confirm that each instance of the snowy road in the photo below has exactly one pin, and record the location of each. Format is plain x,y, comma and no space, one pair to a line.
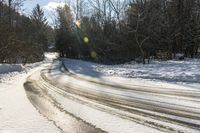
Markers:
80,104
17,114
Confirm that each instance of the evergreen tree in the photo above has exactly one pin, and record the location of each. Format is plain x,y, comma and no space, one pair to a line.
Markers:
40,27
64,33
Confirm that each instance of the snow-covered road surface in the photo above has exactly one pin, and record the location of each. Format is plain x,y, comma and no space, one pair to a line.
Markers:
96,105
39,95
86,100
17,114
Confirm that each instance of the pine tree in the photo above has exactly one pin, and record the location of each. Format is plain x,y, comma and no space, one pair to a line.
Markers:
64,33
40,23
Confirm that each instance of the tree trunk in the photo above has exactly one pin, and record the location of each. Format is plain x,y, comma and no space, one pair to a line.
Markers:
9,13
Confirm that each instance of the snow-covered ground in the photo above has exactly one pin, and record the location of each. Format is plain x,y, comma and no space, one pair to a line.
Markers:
94,79
5,68
8,71
171,71
17,114
153,89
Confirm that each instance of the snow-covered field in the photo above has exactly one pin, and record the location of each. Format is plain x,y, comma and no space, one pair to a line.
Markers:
170,71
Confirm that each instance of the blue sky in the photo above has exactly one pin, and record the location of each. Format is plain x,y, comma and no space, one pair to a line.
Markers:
29,4
48,6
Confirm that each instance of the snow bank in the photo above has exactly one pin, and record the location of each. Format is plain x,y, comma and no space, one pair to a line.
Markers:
51,55
173,71
7,71
5,68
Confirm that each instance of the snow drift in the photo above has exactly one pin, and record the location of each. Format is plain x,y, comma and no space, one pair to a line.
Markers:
6,68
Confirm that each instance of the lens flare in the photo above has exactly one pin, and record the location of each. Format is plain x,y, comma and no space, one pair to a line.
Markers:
78,23
93,54
86,40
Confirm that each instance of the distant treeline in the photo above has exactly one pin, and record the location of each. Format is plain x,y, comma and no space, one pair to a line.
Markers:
122,30
23,39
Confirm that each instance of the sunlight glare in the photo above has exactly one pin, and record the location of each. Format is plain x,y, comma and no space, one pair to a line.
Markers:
93,54
86,40
78,23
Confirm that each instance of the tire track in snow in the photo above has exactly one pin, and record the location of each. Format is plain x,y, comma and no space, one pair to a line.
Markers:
115,103
47,106
189,94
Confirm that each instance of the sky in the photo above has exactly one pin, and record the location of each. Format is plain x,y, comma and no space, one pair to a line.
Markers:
48,6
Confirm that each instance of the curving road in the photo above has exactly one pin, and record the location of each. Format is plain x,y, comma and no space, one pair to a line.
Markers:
80,104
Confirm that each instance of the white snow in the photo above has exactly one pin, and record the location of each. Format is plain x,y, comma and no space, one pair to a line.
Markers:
8,71
99,73
101,119
5,68
17,114
170,71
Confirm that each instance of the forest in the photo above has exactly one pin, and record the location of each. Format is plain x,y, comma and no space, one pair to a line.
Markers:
23,39
104,31
123,30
